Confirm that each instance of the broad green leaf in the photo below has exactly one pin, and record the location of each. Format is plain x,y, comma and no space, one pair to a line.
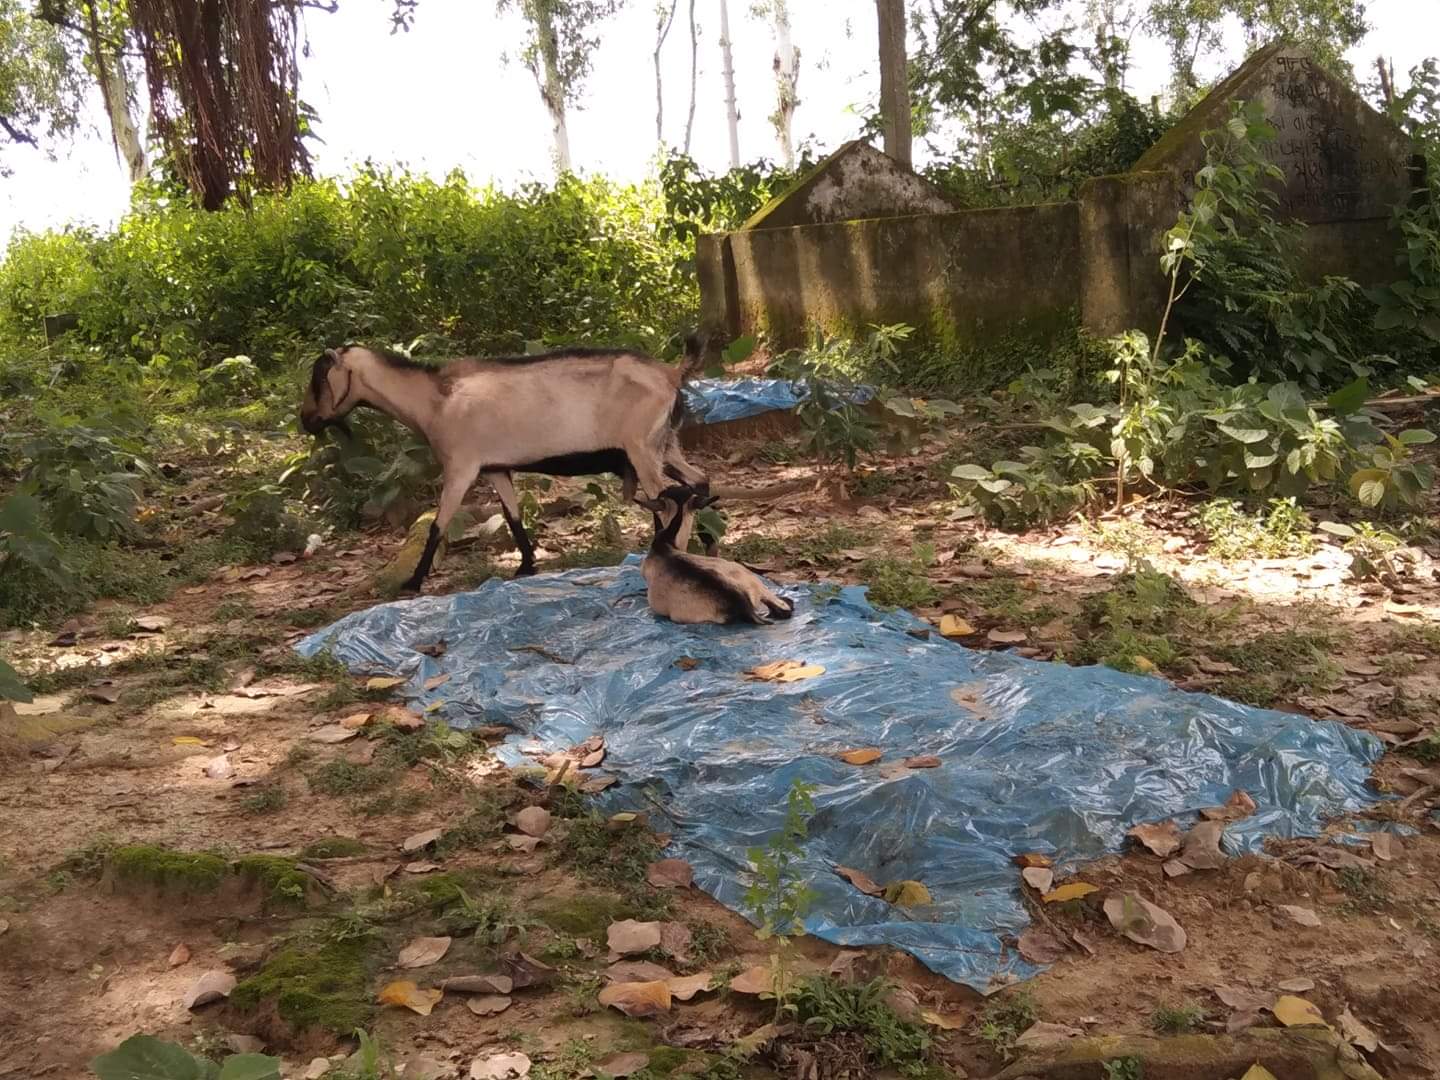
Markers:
1337,528
738,350
1349,397
1416,437
144,1057
1388,318
20,514
250,1067
1371,492
1287,396
1245,435
1293,462
1260,461
11,686
971,472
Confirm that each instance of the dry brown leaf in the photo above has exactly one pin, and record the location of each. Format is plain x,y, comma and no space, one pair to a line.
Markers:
749,1045
1357,1032
479,984
1006,637
861,880
514,1066
179,955
670,874
1303,916
629,936
524,970
1296,1012
384,682
355,721
784,671
637,971
1088,942
1145,923
1041,946
1298,985
421,840
923,761
1384,846
685,987
622,1065
945,1021
524,844
954,626
407,995
599,784
1044,1033
1032,859
1239,805
971,696
421,867
1174,868
423,951
151,624
760,979
404,720
639,999
488,1004
211,986
1162,838
687,663
1243,1000
1073,891
1039,878
867,756
907,894
1202,846
437,681
533,821
105,694
675,939
332,733
592,759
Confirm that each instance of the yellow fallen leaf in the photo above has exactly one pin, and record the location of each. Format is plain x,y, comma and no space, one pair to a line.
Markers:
407,995
1258,1072
383,682
954,626
188,740
760,979
907,894
356,720
867,756
1295,1011
944,1021
1144,665
638,998
1073,891
785,671
1031,858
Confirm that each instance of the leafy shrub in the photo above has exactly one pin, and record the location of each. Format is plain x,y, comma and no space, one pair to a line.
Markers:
1281,531
232,378
1374,552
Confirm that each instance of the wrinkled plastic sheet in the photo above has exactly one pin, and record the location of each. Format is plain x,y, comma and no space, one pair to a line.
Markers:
1037,757
714,401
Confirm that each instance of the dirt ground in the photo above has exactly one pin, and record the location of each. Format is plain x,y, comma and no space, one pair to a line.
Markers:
191,726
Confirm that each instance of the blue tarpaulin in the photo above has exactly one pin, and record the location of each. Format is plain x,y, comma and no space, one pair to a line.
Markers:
714,401
1035,756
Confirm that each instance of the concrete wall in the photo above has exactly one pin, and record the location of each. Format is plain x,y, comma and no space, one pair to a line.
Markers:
960,278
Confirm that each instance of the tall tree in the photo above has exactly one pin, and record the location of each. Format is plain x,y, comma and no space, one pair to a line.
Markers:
559,49
664,17
1112,25
224,83
41,85
105,25
786,66
694,75
1192,28
894,80
732,114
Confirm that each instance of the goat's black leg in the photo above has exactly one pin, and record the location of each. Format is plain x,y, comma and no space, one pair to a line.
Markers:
427,559
510,508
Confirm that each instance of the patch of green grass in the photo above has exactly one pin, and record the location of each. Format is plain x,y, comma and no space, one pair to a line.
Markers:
1279,532
284,884
341,777
235,608
404,801
900,582
606,855
482,824
1427,750
1126,1068
312,983
585,915
1128,538
594,555
582,991
333,847
867,485
754,548
1278,665
1177,1019
1005,1019
828,1008
708,942
185,872
307,618
823,546
265,800
1366,889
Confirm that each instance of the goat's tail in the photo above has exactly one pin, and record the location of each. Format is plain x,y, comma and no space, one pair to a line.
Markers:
694,359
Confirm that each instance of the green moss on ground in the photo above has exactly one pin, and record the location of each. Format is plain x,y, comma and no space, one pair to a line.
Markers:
189,872
283,883
333,847
322,985
587,914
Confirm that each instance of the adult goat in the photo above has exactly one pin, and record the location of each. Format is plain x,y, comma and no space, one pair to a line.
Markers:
571,412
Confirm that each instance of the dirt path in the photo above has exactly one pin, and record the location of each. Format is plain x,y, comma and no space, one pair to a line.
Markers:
201,731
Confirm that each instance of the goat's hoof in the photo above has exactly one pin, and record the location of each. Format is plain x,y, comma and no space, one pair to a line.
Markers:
525,571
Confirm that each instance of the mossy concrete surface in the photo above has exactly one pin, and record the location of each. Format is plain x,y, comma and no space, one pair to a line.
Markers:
1289,1053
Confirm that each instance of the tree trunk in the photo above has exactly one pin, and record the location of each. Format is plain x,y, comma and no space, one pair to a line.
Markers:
787,78
732,115
662,31
694,72
552,86
114,83
894,80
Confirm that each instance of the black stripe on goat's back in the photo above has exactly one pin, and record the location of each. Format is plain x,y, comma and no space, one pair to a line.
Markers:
583,463
578,352
735,603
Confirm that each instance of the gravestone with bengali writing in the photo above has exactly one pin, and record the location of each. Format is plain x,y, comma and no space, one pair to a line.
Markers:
1341,160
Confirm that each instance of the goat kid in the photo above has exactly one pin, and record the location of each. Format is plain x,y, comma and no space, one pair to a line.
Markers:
572,412
688,588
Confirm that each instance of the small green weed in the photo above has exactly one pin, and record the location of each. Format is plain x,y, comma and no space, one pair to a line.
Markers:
341,777
754,548
826,1007
1280,532
264,800
1129,538
776,897
1367,890
1004,1021
1126,1068
371,1061
824,546
901,583
236,608
333,847
1375,553
1427,749
1131,625
1177,1019
606,855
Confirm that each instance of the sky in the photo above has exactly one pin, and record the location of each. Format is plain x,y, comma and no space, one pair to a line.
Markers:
444,95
